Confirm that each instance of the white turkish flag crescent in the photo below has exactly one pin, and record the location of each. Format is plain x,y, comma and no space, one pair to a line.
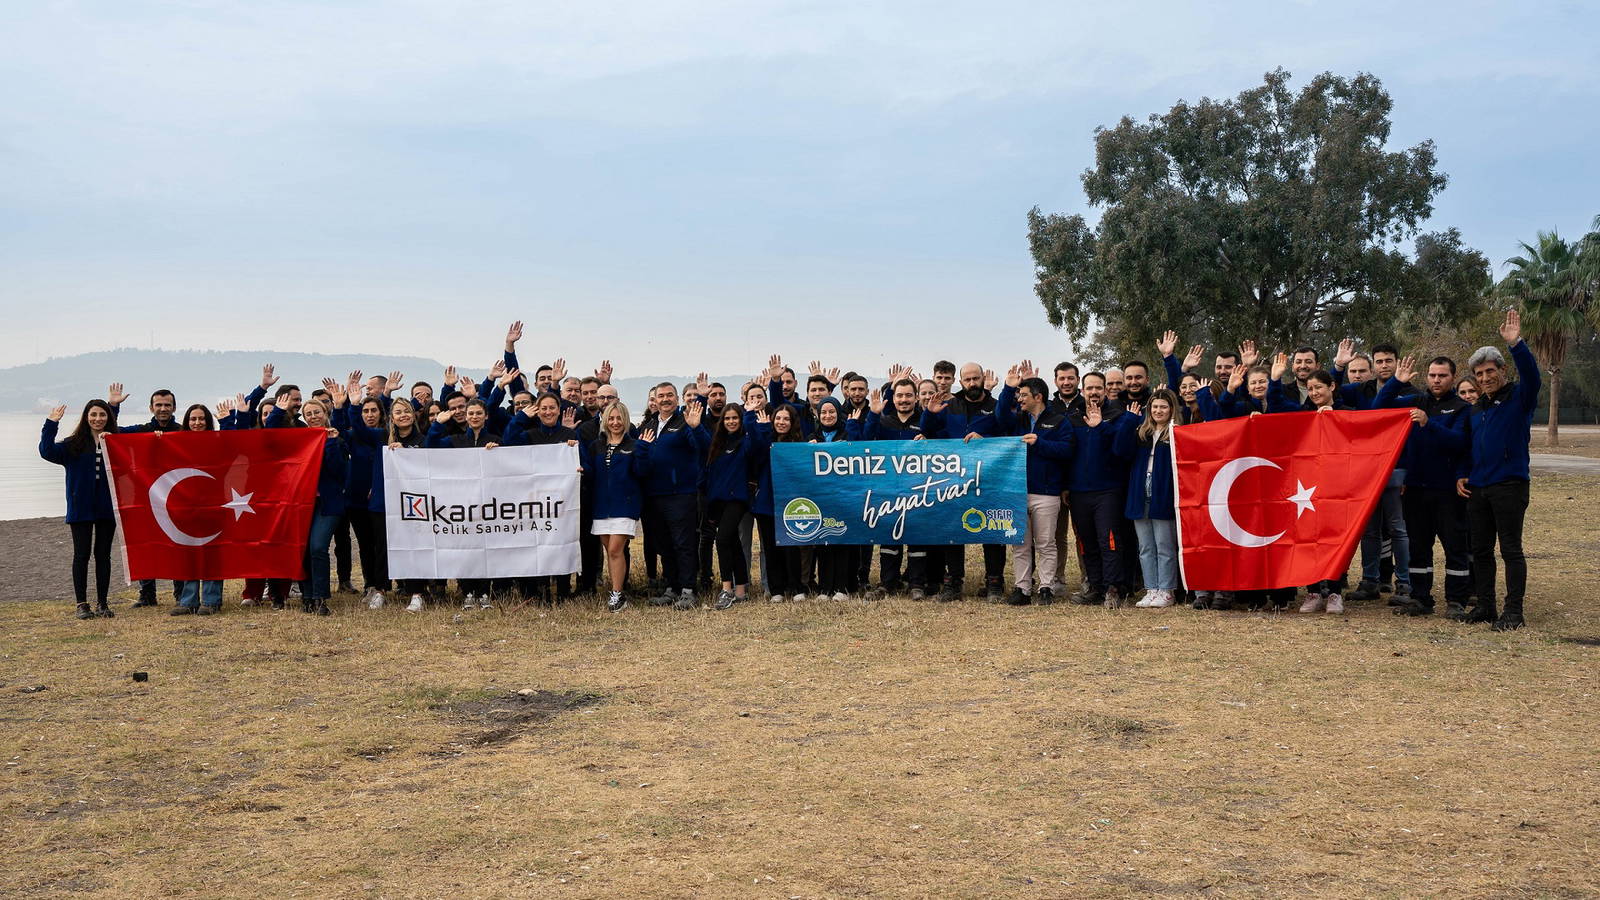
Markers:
1217,501
158,507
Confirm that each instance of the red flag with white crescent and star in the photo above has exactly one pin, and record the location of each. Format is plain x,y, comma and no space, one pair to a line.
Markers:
210,505
1279,500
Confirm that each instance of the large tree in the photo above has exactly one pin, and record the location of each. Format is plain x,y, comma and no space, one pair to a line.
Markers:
1554,282
1277,216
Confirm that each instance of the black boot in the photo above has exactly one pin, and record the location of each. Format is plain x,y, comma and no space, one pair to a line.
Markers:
84,612
322,608
104,611
1017,597
993,588
308,606
1479,614
1510,618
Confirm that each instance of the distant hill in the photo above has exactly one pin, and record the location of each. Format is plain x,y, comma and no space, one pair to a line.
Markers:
197,376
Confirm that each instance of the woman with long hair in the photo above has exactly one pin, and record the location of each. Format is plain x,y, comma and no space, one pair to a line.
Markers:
834,562
90,514
401,431
615,465
201,598
728,465
780,564
1145,438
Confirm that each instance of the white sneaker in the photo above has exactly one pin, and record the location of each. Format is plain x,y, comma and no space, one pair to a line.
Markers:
375,600
775,598
294,590
799,598
416,603
1335,604
1163,599
1148,600
1314,602
248,601
469,602
483,602
841,596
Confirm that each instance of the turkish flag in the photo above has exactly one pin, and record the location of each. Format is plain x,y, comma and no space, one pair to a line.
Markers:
215,504
1279,500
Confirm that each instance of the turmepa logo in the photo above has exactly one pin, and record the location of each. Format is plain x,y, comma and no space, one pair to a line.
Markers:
803,521
413,507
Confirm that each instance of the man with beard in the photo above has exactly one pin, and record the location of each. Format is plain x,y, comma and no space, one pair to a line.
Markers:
1068,401
1431,506
898,420
1098,483
1304,361
1135,384
968,415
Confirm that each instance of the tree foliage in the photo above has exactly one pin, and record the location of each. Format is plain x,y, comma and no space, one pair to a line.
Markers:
1275,215
1555,282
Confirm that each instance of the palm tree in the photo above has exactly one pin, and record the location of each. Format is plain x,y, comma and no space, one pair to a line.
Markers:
1553,281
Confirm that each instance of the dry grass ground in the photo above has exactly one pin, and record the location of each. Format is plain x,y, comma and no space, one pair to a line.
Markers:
1580,441
811,750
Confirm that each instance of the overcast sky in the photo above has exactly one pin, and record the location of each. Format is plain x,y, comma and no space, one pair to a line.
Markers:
676,184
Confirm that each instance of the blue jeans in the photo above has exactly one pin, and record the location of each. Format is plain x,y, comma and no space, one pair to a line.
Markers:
316,586
1158,552
1390,512
193,593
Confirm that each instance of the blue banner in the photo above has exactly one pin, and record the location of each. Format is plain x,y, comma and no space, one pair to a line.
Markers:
900,492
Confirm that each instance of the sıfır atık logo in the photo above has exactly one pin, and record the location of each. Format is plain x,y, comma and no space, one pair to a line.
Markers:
804,522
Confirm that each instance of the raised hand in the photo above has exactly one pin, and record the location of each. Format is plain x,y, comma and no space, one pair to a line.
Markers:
604,372
764,417
339,394
646,436
393,382
569,418
702,384
691,414
284,402
1026,369
896,372
1168,343
937,404
815,368
774,367
268,379
1135,408
1013,377
238,402
223,408
1248,354
468,388
444,416
1406,369
875,401
328,385
1192,360
509,375
989,380
1280,365
352,382
57,413
115,394
1511,330
513,334
1345,353
1235,378
498,369
558,372
450,376
832,375
1091,415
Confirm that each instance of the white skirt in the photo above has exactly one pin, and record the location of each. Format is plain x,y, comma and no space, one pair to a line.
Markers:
629,527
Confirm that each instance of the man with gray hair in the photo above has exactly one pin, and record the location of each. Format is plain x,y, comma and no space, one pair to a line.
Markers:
1496,486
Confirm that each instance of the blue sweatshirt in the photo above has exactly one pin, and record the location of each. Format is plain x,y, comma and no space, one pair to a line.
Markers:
727,477
88,487
1500,423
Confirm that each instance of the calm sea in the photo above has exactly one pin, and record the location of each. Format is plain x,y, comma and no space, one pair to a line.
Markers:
29,486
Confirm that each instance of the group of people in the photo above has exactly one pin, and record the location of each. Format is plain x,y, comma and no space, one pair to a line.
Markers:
693,471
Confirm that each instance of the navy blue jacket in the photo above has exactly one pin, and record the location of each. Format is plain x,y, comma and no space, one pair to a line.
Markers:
88,489
1433,453
1094,467
616,478
1500,423
888,426
524,430
960,417
675,458
357,487
1145,454
378,439
334,478
727,477
1049,455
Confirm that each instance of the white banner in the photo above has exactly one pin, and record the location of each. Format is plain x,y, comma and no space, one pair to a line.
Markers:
509,512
